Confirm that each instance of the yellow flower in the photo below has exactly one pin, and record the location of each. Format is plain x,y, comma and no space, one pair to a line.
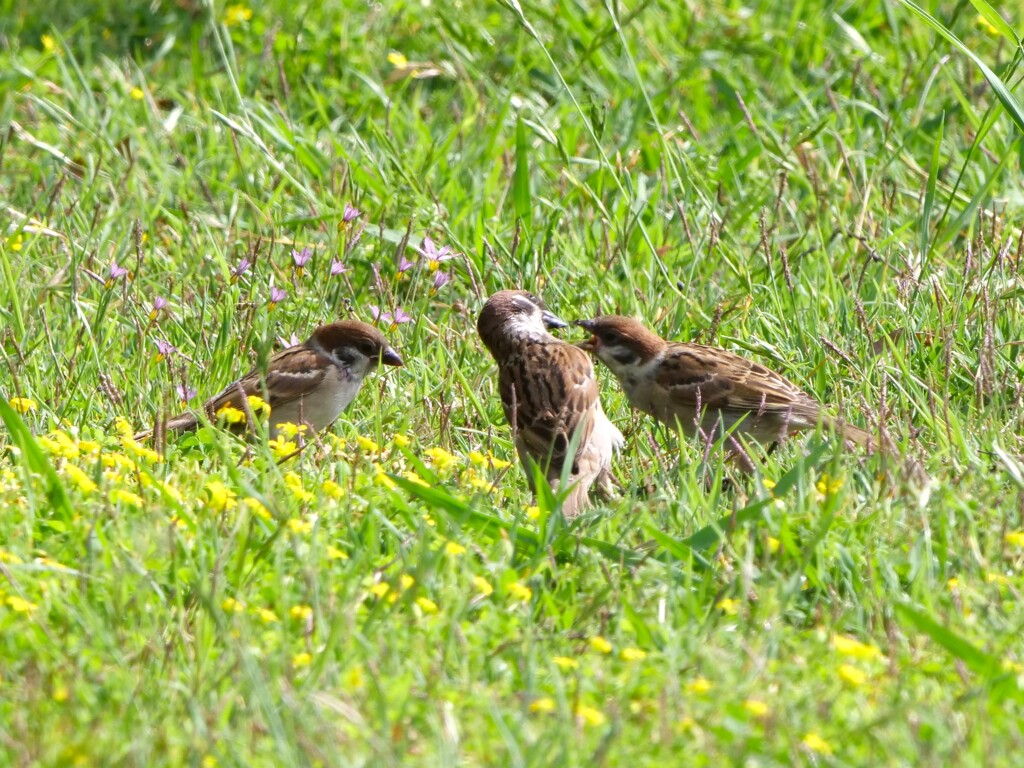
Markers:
996,578
380,589
699,686
89,446
138,449
454,549
230,605
520,591
10,557
266,615
338,442
815,743
426,604
23,404
137,93
768,483
590,716
298,526
301,612
633,654
219,496
953,584
483,586
542,706
209,761
564,662
20,604
300,660
849,646
81,480
982,23
402,441
289,429
281,447
231,415
333,553
236,14
728,606
1016,538
756,707
257,508
258,405
61,694
852,676
405,581
332,489
294,483
414,478
397,60
367,445
441,458
600,644
354,679
49,44
532,513
123,427
774,544
380,477
121,496
828,486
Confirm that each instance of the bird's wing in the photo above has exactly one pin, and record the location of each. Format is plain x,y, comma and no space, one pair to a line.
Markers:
549,392
291,374
726,381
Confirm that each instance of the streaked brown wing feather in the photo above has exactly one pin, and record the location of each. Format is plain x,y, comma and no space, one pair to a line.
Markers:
727,382
548,391
294,373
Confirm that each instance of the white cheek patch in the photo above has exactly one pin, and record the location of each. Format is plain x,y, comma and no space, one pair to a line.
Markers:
524,326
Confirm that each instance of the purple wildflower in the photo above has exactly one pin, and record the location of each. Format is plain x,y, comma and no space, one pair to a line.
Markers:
435,256
276,295
441,279
241,269
116,273
351,213
405,265
338,267
290,342
159,305
392,319
301,257
164,349
185,393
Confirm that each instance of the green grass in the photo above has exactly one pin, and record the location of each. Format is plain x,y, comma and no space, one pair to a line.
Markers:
831,188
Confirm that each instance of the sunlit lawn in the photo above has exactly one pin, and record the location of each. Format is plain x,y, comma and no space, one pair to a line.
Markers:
831,189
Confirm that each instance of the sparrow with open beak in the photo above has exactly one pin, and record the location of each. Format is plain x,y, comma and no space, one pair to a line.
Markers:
700,389
308,384
549,395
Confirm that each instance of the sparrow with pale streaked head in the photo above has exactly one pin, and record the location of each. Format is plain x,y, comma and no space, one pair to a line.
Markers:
549,395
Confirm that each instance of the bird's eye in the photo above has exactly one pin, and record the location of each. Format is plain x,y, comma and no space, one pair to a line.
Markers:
536,300
610,337
366,348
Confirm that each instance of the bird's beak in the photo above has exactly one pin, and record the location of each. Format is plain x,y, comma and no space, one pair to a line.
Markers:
389,357
587,345
551,320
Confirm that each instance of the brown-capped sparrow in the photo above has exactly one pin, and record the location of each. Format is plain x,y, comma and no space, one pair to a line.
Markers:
700,389
308,384
549,394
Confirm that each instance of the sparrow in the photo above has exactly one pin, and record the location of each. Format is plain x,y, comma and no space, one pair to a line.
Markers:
549,395
308,384
701,389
